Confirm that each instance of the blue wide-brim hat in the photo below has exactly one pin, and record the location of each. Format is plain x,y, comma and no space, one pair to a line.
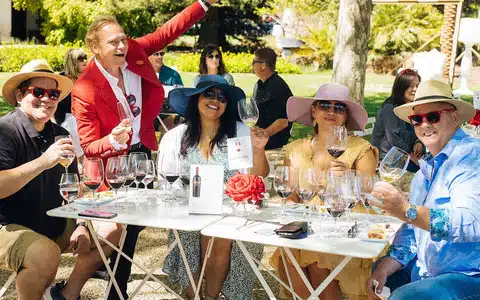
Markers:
178,99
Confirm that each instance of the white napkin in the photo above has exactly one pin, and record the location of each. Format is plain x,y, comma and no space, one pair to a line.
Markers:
385,291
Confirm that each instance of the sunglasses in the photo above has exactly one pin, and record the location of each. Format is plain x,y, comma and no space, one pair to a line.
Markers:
38,92
432,117
159,53
338,108
82,58
216,56
131,100
257,61
212,95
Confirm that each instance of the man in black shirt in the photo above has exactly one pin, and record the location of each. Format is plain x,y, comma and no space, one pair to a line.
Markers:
31,241
271,93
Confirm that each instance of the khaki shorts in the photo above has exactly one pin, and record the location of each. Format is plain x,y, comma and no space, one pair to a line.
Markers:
16,239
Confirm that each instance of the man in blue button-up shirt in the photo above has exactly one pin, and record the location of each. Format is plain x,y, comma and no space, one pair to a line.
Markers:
436,253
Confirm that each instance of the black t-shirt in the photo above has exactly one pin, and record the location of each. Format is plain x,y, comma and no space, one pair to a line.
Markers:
19,144
271,97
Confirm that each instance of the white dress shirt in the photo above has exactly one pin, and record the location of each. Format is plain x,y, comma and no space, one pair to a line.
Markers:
133,86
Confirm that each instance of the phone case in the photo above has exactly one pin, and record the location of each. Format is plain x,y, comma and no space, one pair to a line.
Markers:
97,214
293,230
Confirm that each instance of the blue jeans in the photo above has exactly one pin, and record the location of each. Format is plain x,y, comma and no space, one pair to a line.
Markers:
444,286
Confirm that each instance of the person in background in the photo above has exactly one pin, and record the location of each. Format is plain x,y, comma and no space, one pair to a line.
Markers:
211,63
31,241
435,254
390,130
75,62
331,106
211,117
271,93
121,73
170,79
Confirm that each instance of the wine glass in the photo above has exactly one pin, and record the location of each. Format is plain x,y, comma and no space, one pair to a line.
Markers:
114,174
248,111
185,176
67,159
284,182
336,205
351,193
170,169
306,189
366,184
124,113
394,165
136,168
336,141
149,171
124,162
69,189
93,174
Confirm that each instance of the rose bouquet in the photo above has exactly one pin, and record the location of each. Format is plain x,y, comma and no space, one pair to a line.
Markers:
245,188
475,121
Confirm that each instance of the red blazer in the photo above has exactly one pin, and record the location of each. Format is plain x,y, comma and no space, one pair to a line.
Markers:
94,104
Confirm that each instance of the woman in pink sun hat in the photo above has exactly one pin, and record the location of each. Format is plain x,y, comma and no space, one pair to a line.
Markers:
331,106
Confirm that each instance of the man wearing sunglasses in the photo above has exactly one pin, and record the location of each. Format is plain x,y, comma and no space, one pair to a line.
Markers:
120,72
30,241
435,254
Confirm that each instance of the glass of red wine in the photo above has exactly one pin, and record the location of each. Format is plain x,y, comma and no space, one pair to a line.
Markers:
285,182
336,141
137,168
306,189
93,175
114,174
170,168
69,187
335,200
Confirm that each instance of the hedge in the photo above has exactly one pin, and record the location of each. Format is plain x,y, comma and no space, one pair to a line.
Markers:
13,57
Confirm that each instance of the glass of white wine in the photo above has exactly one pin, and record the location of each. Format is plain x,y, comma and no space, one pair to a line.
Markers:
394,165
69,188
248,111
67,159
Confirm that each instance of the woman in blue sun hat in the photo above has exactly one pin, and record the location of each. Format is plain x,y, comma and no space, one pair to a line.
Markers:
211,117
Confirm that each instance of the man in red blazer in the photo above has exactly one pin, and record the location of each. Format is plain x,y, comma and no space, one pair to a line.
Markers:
120,72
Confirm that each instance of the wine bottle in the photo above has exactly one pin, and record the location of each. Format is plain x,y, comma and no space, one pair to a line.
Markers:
196,182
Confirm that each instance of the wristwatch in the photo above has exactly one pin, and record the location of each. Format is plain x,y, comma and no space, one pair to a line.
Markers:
411,213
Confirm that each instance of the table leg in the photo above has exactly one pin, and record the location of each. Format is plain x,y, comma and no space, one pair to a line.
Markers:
330,277
286,272
120,246
255,269
204,265
104,258
185,261
299,270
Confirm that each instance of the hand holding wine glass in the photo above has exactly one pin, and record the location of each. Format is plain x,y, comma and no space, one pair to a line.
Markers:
68,156
336,141
248,111
394,165
69,188
93,174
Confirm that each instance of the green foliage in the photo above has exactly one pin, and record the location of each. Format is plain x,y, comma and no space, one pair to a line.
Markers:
398,28
12,58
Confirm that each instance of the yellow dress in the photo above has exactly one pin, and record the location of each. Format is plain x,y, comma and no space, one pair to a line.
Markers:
353,277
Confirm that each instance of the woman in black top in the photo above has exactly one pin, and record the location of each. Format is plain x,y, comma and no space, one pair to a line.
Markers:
75,62
389,130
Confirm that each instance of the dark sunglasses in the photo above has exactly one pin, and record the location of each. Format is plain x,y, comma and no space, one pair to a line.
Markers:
82,58
338,108
38,92
432,117
212,95
257,61
216,56
159,53
131,100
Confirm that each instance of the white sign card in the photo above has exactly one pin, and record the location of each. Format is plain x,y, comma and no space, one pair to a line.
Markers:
476,99
240,153
206,189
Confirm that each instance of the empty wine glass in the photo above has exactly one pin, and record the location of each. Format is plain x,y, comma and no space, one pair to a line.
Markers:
248,111
336,141
67,159
124,162
284,182
114,174
124,113
69,188
136,168
93,175
394,165
149,171
365,188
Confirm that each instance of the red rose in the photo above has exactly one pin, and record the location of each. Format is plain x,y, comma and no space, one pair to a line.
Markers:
245,187
475,121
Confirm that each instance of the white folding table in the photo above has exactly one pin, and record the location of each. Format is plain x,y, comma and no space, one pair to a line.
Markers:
262,232
159,216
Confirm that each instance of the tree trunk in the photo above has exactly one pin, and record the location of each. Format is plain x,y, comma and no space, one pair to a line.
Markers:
211,30
446,40
351,50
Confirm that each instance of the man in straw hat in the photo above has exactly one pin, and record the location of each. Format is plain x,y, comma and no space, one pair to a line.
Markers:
31,241
436,252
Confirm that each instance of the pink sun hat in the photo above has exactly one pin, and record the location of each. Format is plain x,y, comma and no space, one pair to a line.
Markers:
299,109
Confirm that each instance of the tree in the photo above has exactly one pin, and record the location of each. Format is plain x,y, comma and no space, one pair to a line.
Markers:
349,62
